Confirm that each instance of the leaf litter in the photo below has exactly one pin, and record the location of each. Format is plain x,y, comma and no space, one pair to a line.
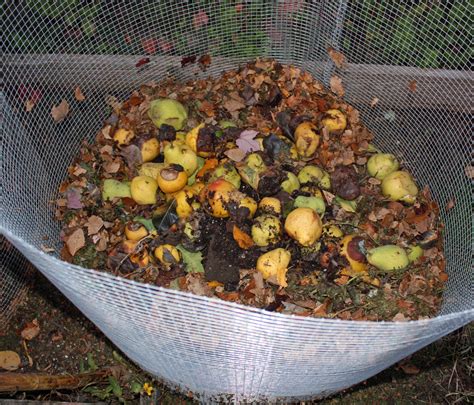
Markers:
243,131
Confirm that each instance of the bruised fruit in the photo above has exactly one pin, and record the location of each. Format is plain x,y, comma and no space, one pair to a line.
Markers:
250,204
304,225
314,203
135,231
333,231
306,139
151,169
183,208
345,182
388,258
334,121
172,178
167,254
115,189
351,249
314,175
381,165
400,186
270,205
227,172
274,265
218,195
150,149
123,136
291,183
168,111
191,137
177,153
143,190
266,230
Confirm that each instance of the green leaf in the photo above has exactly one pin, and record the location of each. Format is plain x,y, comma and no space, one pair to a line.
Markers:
348,206
116,388
135,387
91,363
82,368
192,261
192,178
147,223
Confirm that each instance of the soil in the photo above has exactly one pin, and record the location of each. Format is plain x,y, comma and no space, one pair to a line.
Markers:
437,374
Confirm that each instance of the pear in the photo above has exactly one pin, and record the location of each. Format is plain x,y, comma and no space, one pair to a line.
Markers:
381,165
388,258
181,154
400,186
168,111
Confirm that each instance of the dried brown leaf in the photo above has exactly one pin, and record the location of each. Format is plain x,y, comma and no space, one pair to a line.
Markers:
112,167
400,318
29,105
336,86
412,84
60,111
47,249
31,330
469,171
337,57
94,224
450,204
408,368
75,241
236,154
78,94
233,105
9,360
374,102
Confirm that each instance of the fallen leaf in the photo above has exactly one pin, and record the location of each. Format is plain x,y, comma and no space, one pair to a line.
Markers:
75,241
78,94
450,204
197,285
337,57
236,154
469,171
200,19
400,318
47,249
233,105
374,102
9,360
31,330
132,156
246,141
142,62
412,85
73,197
204,61
29,105
408,368
243,240
188,60
94,224
149,45
60,111
336,86
192,261
112,167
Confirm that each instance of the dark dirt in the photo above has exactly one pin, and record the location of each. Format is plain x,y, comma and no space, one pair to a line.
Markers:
438,374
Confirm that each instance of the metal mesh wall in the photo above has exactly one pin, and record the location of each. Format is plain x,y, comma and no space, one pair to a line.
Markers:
201,344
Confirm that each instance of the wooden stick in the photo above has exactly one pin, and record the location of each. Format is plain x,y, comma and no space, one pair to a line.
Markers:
10,382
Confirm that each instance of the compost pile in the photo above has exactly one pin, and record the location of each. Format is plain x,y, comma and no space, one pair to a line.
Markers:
258,187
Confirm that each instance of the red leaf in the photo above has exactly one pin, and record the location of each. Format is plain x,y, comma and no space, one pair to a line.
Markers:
200,19
149,45
31,330
142,62
187,60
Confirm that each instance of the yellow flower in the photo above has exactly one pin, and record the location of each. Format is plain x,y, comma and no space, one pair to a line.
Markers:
148,388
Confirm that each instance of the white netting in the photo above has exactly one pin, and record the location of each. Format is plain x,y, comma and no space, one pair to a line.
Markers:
201,344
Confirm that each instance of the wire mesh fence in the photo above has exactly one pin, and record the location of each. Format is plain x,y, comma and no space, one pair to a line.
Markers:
205,345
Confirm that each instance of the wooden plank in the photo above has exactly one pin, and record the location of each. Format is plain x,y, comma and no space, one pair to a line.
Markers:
435,88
